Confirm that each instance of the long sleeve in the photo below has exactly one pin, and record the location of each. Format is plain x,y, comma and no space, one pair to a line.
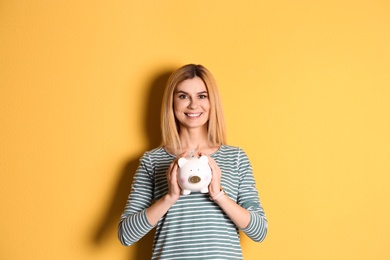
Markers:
248,198
134,224
194,227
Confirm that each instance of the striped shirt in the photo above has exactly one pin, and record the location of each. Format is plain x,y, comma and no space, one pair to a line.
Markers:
194,227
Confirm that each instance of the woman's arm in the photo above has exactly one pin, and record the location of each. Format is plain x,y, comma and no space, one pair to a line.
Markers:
134,224
158,209
236,213
140,214
247,214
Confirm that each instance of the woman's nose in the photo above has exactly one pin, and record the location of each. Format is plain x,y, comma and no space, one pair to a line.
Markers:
193,103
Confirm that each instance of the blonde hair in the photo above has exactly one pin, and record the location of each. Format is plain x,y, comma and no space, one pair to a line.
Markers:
170,128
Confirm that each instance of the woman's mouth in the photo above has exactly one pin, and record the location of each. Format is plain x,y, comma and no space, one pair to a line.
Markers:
193,115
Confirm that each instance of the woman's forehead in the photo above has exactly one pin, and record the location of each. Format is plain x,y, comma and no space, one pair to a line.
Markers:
191,85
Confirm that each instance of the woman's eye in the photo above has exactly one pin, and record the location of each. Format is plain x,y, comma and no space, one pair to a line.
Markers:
182,96
202,96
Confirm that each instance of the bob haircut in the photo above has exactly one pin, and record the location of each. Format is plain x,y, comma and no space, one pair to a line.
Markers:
169,126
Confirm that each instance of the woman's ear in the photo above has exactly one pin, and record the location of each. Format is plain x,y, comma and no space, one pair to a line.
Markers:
204,159
182,161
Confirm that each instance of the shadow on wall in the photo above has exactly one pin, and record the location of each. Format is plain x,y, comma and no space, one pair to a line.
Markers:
143,248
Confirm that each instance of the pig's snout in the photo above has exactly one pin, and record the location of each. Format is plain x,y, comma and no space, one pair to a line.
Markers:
194,179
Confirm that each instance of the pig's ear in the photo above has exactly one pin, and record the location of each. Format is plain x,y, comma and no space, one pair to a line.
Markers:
182,161
204,159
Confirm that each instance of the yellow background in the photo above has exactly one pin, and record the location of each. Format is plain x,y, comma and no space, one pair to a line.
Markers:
306,92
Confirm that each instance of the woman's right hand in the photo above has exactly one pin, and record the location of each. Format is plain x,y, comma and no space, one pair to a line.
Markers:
174,189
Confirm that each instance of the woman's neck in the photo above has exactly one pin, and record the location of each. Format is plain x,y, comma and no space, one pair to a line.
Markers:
193,141
196,142
193,138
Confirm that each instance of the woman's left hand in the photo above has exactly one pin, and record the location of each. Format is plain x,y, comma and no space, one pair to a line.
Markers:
215,184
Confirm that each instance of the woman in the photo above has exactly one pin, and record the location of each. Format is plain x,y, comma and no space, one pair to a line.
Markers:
195,226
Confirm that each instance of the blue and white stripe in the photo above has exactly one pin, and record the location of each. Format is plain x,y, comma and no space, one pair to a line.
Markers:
195,227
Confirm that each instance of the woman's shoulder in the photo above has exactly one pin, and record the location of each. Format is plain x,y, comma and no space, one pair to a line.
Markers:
230,148
158,152
153,157
232,151
226,151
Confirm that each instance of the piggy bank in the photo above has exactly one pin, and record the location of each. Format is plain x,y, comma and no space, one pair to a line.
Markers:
194,174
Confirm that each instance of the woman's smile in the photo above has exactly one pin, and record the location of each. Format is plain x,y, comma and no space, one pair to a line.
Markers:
191,103
193,115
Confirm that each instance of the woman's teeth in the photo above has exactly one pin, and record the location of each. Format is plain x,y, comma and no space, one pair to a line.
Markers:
194,115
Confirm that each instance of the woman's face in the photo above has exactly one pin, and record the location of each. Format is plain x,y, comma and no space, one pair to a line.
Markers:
191,103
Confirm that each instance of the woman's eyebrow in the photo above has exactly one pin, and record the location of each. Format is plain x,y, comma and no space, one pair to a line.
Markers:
183,92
